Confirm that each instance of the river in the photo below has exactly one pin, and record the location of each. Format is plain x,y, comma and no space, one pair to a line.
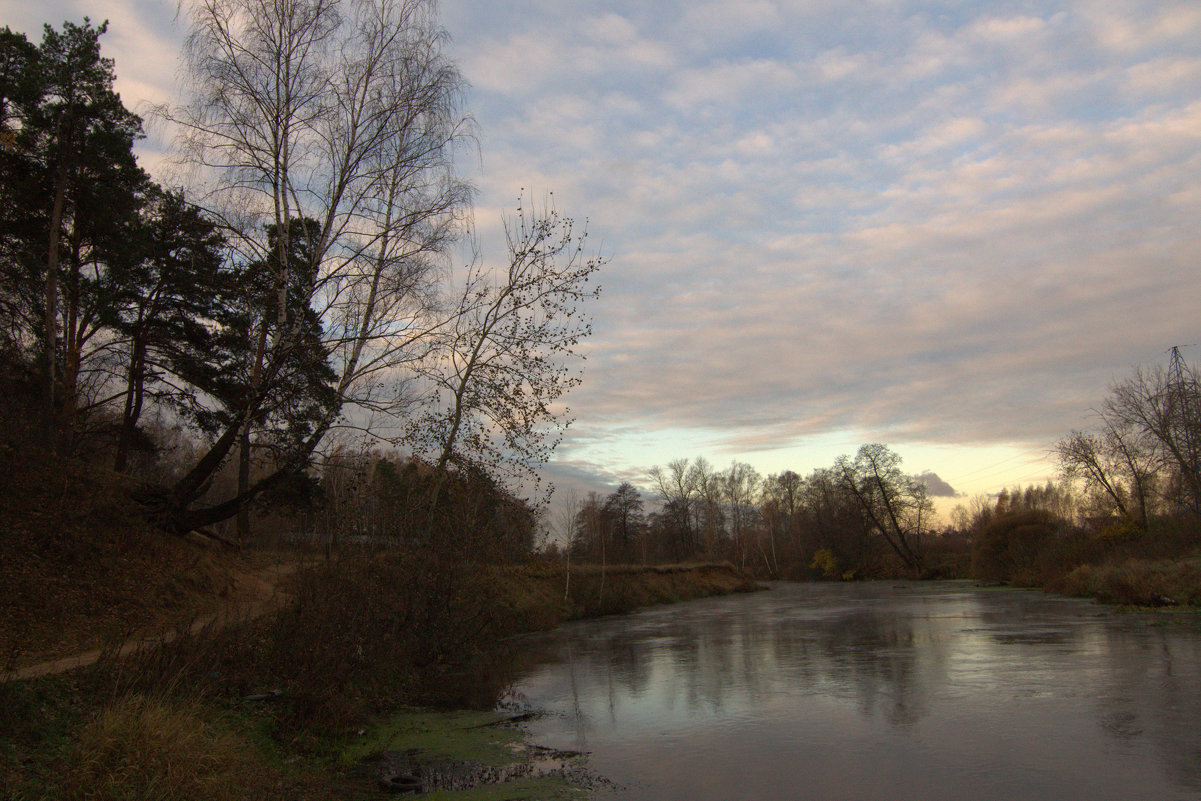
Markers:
877,691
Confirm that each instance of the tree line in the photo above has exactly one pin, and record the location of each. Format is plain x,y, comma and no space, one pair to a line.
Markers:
859,517
214,343
864,516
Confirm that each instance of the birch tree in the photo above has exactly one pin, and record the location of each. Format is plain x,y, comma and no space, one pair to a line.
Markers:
741,485
508,355
346,113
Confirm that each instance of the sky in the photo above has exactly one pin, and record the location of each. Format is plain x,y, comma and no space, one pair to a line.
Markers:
945,226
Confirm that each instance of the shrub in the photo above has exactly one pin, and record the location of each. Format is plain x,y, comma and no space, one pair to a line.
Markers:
947,556
362,631
1119,531
825,561
401,625
1010,548
1136,582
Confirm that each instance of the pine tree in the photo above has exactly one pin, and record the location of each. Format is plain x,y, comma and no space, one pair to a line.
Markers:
70,189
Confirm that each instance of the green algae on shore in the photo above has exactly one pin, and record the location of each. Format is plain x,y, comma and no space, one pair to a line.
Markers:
465,756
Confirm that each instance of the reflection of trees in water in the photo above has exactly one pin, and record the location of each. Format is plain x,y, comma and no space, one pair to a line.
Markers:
1150,694
882,662
870,657
627,660
898,658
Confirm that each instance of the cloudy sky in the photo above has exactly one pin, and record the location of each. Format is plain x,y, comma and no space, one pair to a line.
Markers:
946,226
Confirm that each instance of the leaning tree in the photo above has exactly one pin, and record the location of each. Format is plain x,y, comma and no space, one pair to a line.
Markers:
895,505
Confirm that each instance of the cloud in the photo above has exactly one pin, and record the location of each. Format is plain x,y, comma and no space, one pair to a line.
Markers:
1161,76
706,24
936,487
1007,29
1128,28
914,224
730,82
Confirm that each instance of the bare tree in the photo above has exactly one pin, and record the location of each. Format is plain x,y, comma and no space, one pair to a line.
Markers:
565,524
780,498
786,487
624,506
1164,404
346,113
1135,453
707,512
1086,458
741,484
895,504
676,485
503,363
594,530
1149,447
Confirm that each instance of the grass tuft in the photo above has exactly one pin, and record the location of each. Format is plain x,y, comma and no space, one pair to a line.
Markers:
145,749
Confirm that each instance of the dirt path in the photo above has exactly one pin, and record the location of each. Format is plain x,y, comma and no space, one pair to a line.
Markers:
262,592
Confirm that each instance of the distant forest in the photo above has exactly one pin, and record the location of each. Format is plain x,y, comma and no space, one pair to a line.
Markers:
1139,473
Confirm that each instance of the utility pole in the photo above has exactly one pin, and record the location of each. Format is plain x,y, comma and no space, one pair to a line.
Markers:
1185,416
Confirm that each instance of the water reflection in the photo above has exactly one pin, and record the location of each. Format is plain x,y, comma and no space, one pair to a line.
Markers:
878,691
1153,696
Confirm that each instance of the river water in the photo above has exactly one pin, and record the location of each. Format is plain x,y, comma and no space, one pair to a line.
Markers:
877,691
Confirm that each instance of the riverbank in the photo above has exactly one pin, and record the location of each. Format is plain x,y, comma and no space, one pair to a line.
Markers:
1142,583
1121,564
306,701
542,596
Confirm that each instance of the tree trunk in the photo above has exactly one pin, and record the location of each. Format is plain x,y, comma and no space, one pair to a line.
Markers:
256,379
243,524
51,311
135,383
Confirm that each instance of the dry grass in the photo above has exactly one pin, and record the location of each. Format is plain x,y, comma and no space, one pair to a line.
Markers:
79,568
143,749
